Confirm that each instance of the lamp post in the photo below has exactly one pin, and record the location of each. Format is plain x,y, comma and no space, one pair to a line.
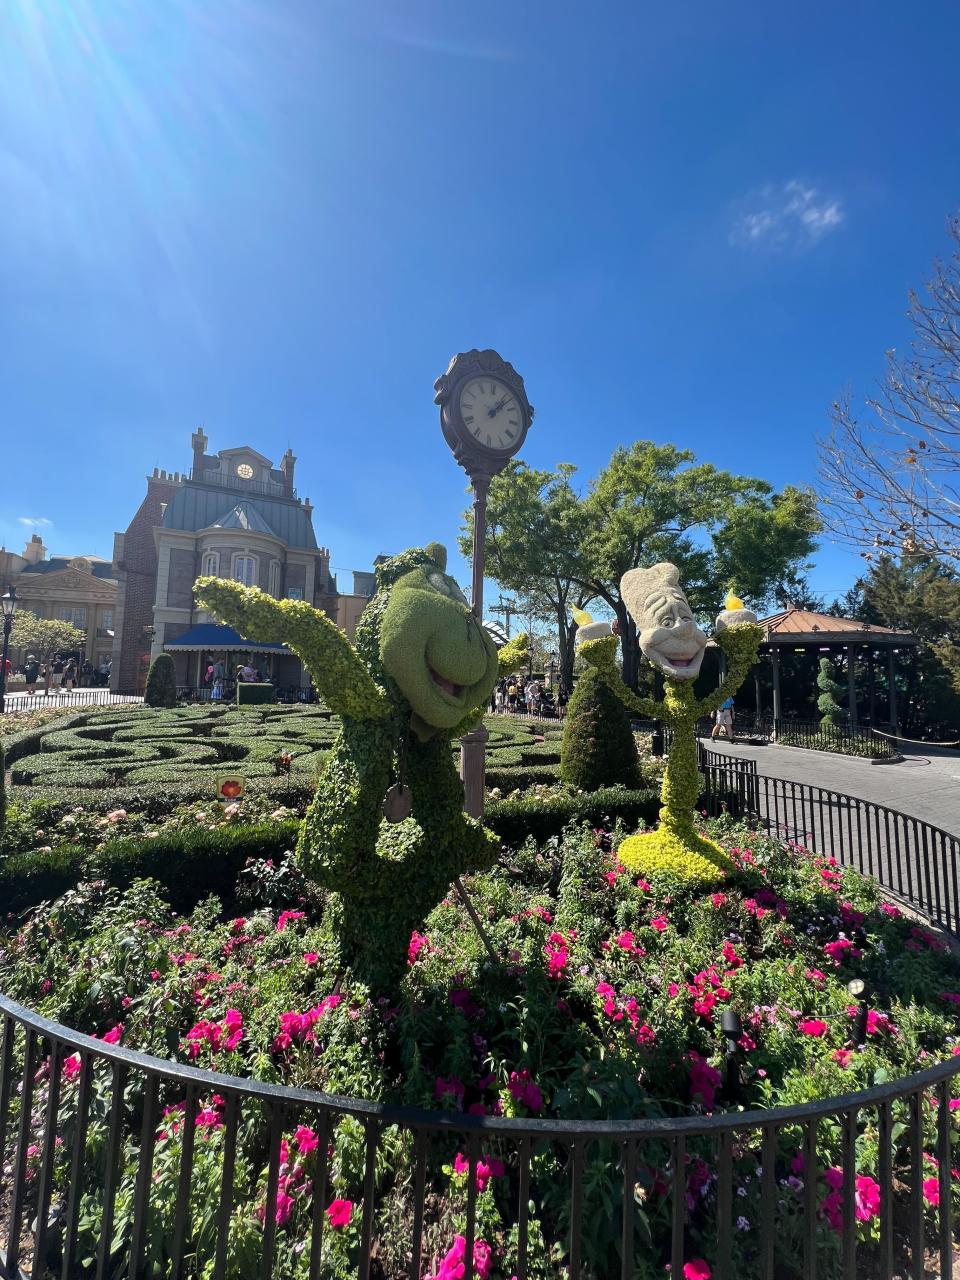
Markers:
8,603
485,416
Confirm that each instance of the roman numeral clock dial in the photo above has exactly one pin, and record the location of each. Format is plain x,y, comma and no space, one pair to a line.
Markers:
484,410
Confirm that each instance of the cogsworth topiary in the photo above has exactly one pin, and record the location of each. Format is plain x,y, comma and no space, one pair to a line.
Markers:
670,639
386,833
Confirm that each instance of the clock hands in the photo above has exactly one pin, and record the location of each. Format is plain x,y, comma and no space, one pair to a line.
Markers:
492,413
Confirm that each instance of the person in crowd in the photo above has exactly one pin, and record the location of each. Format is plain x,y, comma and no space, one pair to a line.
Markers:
55,668
723,721
103,672
86,674
31,670
247,673
512,695
69,678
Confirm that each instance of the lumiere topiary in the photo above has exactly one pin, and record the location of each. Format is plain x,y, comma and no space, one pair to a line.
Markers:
674,643
386,833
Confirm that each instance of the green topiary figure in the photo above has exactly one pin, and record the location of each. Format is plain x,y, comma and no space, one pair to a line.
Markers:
598,749
161,688
672,641
386,833
831,712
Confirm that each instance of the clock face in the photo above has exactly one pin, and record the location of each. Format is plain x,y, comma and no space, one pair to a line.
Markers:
245,471
491,413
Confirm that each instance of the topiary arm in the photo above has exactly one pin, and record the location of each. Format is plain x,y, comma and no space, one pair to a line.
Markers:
513,654
739,643
600,654
337,670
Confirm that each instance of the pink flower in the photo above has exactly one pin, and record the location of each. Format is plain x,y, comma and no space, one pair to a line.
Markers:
306,1139
557,955
696,1270
842,1056
209,1118
660,923
625,940
453,1086
704,1080
486,1168
283,1209
718,899
116,815
453,1267
285,917
71,1066
838,950
338,1213
418,942
815,975
813,1027
113,1035
931,1191
310,957
867,1198
890,910
524,1090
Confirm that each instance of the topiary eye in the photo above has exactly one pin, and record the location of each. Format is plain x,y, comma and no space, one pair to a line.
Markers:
447,587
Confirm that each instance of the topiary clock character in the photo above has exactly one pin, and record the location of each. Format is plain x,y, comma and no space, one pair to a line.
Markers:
670,638
386,834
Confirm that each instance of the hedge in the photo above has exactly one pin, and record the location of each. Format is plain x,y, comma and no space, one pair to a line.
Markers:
255,695
514,820
190,864
520,776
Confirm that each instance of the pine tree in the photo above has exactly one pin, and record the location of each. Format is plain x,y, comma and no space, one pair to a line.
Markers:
831,712
161,690
598,748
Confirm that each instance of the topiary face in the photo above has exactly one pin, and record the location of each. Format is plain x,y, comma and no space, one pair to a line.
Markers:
444,663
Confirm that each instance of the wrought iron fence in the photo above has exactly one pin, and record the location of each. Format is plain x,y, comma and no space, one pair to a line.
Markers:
64,698
115,1163
855,740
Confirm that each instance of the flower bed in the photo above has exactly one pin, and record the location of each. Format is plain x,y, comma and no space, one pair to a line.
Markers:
607,1003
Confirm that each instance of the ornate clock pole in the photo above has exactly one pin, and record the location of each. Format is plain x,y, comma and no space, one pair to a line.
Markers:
485,416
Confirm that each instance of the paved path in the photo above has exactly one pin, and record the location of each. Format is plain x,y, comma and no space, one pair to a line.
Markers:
926,784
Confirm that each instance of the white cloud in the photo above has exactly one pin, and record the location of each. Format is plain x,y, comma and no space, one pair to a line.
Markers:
793,215
35,522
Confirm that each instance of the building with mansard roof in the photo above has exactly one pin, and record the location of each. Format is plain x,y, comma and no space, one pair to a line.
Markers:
234,515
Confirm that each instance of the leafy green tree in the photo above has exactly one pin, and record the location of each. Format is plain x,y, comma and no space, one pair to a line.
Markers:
161,687
44,637
598,748
831,712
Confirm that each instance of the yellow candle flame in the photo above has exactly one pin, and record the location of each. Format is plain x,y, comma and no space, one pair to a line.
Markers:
580,616
732,601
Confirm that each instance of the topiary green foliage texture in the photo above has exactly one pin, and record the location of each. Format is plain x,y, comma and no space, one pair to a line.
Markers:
161,687
598,747
670,847
831,712
255,695
421,674
3,791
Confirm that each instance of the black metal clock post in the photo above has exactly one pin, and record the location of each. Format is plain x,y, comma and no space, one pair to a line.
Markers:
477,388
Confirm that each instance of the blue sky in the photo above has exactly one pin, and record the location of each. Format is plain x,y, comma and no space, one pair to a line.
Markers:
279,218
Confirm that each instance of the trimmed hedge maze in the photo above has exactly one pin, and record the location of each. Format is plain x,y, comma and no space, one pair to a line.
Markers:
126,747
143,749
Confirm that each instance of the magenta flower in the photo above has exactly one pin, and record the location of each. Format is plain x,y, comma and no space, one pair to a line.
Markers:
867,1198
660,923
338,1213
310,957
419,942
71,1066
285,917
524,1090
931,1191
306,1139
113,1035
697,1269
813,1027
486,1168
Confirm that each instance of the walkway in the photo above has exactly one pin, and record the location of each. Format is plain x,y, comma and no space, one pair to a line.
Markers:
40,701
925,785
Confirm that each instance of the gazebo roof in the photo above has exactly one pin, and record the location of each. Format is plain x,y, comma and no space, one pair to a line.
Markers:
803,626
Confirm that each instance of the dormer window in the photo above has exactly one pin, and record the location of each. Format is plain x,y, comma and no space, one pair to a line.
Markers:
245,570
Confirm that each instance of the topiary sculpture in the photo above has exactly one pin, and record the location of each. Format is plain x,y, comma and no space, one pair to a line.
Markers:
598,748
672,641
386,834
832,713
161,686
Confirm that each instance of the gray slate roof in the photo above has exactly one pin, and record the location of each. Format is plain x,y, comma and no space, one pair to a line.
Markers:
194,506
56,564
244,516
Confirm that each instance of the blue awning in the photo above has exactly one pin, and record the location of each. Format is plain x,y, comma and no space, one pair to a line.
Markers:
208,635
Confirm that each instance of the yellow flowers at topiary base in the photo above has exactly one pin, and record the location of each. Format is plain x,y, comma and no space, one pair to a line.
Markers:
691,858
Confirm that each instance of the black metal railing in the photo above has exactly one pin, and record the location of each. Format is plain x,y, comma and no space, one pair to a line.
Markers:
68,698
87,1128
856,740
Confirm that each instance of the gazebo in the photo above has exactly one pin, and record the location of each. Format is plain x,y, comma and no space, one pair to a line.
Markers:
822,633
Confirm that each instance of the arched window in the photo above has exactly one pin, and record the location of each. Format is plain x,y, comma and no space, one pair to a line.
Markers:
245,570
275,579
211,564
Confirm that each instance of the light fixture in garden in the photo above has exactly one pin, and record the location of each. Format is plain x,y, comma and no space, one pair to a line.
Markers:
860,991
485,416
8,603
732,1028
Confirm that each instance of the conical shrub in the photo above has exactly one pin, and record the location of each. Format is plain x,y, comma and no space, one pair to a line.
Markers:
598,747
161,690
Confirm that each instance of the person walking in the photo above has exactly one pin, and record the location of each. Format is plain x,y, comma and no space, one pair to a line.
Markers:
723,721
512,696
69,675
55,667
31,670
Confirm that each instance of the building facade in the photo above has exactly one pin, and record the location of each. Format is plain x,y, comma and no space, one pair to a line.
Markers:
81,590
235,516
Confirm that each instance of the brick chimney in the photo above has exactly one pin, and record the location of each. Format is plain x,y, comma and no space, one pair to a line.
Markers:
287,463
200,442
35,551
